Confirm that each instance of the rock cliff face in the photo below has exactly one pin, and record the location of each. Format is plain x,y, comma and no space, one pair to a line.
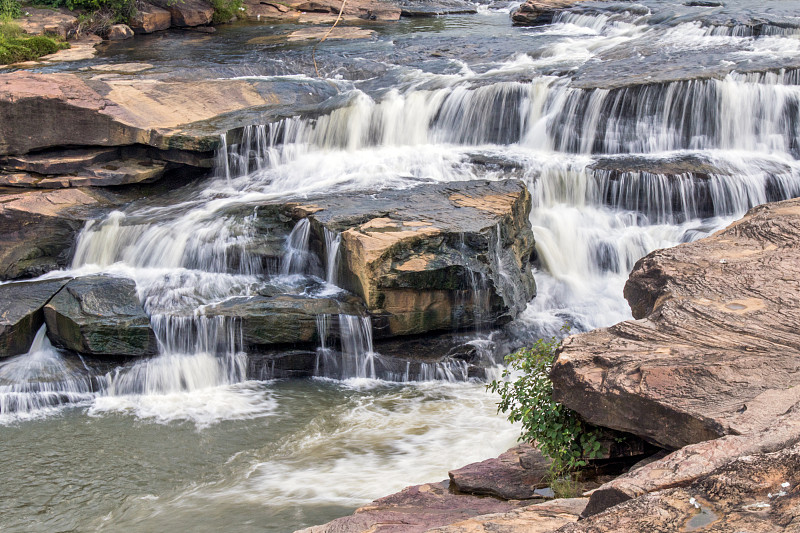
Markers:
714,349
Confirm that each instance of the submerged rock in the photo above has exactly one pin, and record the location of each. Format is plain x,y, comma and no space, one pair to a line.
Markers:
715,347
22,313
100,316
435,257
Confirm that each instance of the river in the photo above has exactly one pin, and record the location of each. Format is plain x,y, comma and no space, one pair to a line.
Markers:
636,126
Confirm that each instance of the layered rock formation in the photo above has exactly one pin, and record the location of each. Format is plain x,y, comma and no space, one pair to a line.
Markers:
714,349
435,257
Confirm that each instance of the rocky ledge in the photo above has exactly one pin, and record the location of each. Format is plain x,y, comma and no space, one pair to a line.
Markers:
714,347
539,12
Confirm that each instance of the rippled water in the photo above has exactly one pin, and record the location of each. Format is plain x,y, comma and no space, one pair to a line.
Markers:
184,441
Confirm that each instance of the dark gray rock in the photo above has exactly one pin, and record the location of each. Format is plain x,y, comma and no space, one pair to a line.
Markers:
100,316
22,313
283,319
418,8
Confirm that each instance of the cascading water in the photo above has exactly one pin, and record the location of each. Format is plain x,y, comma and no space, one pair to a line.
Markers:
615,168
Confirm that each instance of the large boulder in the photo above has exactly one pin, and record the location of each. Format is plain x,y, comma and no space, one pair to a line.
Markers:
715,349
22,313
514,475
150,18
187,12
435,257
38,229
100,316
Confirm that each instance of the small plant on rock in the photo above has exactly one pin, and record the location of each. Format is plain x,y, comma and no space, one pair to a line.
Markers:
526,394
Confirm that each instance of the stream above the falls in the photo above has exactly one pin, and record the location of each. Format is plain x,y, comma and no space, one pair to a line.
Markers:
635,126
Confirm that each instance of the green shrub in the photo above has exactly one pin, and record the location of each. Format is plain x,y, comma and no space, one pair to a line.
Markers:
9,9
526,394
15,47
224,10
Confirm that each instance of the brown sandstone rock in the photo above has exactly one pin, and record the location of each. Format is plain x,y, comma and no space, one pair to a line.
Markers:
692,462
539,518
317,11
435,257
539,12
39,111
187,12
43,20
414,510
719,350
514,475
119,32
150,18
757,493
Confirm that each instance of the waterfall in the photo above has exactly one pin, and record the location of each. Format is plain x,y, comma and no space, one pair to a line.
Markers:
34,383
298,256
332,242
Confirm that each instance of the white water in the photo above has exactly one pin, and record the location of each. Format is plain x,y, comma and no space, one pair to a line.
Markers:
513,118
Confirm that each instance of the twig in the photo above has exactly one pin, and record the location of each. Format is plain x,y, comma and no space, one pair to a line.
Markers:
314,50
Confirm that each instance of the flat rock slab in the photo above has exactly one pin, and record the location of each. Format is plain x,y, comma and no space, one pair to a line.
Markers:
715,349
416,8
414,510
38,21
100,316
538,518
321,11
756,493
514,475
22,313
39,111
340,33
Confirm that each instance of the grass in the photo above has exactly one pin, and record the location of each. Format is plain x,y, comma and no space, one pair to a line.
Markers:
15,46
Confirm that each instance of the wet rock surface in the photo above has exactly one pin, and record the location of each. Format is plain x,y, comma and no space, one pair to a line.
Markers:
539,12
321,11
435,257
22,313
100,316
285,319
714,348
416,8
